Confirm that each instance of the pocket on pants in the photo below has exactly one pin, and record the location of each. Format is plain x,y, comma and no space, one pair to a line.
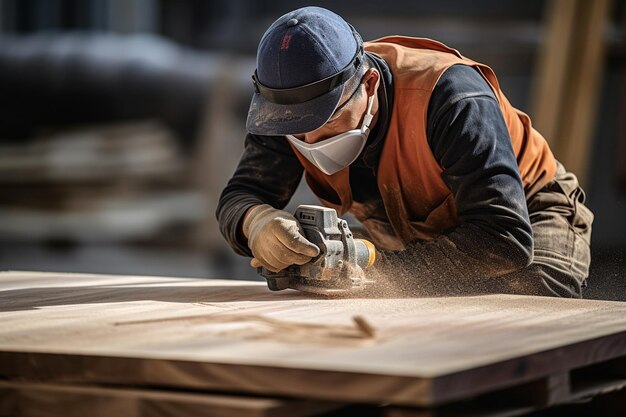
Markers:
583,217
580,217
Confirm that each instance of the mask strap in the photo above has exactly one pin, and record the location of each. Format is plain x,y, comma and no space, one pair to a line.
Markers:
368,116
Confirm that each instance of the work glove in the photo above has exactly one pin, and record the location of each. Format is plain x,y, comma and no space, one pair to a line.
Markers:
275,239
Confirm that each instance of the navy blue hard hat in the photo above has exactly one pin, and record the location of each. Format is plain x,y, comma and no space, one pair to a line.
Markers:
303,62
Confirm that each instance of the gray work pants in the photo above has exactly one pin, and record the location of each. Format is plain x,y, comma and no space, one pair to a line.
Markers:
561,226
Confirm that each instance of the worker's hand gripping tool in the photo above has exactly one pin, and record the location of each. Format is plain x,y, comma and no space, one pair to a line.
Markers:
340,265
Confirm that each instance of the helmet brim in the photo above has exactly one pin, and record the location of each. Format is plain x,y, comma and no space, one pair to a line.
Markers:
272,119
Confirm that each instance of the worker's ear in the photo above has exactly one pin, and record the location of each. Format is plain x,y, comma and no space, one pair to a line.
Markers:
371,79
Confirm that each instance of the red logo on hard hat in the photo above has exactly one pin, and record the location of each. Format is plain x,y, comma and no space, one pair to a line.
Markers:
285,43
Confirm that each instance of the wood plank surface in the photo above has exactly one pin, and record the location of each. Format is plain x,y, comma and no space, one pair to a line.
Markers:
237,336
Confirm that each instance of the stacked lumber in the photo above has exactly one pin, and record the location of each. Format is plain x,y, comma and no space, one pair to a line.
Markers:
99,183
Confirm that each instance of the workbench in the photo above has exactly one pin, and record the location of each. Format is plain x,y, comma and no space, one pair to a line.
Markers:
78,344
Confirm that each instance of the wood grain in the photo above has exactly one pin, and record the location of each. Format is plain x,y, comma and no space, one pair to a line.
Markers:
237,336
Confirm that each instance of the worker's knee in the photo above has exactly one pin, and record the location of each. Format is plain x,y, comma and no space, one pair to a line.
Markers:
543,280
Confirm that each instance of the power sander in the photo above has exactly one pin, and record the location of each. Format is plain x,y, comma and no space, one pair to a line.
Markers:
339,267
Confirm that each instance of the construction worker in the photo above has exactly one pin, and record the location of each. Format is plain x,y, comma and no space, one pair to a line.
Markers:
458,191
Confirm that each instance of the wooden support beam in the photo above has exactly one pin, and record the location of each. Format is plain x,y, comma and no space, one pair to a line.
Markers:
583,86
549,82
569,78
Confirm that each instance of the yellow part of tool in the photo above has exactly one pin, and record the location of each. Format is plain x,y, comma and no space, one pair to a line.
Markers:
372,252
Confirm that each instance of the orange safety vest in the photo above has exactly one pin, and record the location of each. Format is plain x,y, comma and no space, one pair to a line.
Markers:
418,203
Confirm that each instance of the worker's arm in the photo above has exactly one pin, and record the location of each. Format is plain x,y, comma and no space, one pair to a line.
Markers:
268,173
469,138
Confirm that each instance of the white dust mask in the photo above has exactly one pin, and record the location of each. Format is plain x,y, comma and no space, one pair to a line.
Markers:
337,152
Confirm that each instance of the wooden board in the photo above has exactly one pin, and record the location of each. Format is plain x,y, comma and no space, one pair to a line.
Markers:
48,400
237,336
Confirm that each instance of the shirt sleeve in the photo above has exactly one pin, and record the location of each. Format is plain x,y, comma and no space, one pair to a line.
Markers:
268,173
468,136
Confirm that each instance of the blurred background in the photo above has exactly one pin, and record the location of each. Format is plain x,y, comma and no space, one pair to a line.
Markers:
122,120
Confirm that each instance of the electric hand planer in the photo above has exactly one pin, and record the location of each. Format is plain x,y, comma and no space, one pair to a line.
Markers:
339,267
